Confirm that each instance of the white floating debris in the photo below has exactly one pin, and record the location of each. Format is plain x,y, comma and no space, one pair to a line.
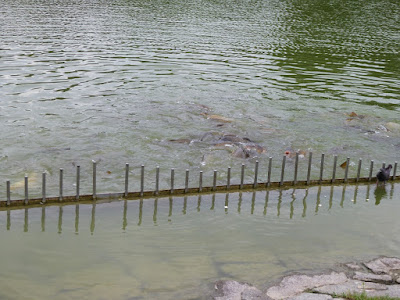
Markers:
319,205
226,206
352,200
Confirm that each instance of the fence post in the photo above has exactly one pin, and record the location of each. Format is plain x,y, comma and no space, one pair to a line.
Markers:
334,168
8,193
60,197
78,178
172,180
346,170
141,180
94,179
321,173
242,177
283,170
187,181
26,189
200,181
371,167
126,179
215,181
309,168
269,171
228,180
157,180
359,169
44,187
296,168
255,175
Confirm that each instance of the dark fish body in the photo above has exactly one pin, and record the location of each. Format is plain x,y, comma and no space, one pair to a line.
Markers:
384,174
240,147
181,141
241,153
234,138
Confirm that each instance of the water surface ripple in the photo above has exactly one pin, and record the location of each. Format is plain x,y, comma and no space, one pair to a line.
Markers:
115,80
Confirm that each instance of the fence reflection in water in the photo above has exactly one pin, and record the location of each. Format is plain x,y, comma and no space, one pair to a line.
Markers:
255,203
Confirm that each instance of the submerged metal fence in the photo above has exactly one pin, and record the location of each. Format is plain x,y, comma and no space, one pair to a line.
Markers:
141,193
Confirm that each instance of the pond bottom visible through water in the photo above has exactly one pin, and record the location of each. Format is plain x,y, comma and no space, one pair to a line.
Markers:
176,248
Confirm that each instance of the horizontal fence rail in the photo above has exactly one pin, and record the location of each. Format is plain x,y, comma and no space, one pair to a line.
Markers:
199,188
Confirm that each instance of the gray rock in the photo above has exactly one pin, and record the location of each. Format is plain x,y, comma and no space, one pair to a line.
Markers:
372,277
293,285
384,281
233,290
383,265
393,126
311,296
350,286
391,291
253,294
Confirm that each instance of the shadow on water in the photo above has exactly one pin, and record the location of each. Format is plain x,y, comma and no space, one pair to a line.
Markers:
380,193
259,203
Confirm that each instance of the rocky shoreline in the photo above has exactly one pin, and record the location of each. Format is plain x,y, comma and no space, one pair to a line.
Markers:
378,277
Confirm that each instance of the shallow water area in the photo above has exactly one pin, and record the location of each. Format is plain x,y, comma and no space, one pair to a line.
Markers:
175,248
115,81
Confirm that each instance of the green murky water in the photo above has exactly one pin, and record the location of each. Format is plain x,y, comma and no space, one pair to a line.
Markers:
176,248
114,81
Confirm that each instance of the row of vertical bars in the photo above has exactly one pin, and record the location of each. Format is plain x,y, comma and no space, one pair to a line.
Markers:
214,186
199,201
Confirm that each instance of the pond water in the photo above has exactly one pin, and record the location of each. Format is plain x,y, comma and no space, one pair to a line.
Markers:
177,248
114,81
